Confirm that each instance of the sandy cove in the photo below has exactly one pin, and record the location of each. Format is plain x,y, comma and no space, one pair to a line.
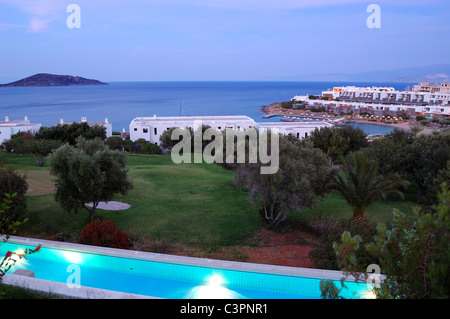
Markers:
275,109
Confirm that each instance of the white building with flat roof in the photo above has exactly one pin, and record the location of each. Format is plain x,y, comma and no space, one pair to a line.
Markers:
432,88
298,129
389,95
8,128
151,128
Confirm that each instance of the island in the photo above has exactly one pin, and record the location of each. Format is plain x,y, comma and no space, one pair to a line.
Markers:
45,79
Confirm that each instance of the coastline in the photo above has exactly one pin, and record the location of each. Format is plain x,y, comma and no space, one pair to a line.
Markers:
405,125
275,109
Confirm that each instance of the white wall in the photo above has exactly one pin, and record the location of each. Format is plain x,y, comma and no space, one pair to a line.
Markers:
151,129
7,131
5,134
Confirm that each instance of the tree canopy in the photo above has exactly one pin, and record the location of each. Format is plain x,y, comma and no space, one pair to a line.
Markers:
87,174
299,182
338,141
68,133
422,159
39,148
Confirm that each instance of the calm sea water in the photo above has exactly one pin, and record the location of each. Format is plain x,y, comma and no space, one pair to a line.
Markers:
120,102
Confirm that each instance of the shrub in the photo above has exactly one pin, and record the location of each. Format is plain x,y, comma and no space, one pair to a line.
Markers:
114,143
150,148
286,105
330,230
13,183
104,233
420,118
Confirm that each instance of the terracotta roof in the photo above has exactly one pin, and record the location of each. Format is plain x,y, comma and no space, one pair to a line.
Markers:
11,122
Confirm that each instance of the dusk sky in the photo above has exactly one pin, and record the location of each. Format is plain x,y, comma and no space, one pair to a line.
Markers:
213,40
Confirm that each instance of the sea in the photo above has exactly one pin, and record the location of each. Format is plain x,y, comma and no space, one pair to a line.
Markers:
121,102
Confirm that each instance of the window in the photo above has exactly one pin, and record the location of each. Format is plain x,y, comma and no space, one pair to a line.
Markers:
155,131
135,129
145,130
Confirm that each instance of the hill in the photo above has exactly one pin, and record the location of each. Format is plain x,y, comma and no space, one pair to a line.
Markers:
45,79
436,73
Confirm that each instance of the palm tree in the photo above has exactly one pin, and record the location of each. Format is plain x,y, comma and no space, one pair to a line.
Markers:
360,184
416,130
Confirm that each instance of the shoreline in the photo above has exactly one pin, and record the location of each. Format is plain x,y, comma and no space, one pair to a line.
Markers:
405,125
275,109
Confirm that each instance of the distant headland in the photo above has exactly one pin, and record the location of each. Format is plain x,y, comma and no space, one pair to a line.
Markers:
45,79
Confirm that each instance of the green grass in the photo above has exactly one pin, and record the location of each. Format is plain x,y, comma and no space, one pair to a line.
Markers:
191,204
185,203
16,292
334,205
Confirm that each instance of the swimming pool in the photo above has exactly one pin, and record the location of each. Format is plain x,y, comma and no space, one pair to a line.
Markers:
167,276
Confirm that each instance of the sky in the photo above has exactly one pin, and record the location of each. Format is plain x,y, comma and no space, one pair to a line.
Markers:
218,40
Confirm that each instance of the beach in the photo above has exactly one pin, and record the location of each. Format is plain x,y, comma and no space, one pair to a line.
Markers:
275,109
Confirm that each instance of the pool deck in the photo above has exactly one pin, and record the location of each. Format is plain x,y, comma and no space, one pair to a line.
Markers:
94,293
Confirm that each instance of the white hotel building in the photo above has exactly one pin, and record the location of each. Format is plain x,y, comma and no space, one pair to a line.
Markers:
151,128
9,128
390,95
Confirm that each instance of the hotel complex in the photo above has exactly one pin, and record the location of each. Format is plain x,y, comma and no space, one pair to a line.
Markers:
431,100
422,93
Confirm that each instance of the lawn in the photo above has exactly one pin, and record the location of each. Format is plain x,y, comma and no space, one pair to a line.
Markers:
190,204
185,203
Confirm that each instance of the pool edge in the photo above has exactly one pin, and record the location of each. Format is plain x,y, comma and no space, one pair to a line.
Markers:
185,260
62,289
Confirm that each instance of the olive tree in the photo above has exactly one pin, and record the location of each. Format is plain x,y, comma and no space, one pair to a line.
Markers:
299,182
338,141
88,173
39,148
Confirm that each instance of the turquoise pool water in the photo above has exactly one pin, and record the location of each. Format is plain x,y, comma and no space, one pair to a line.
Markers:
166,280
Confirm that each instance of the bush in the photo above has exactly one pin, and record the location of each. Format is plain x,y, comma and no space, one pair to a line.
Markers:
286,105
420,118
330,231
13,183
114,143
104,233
16,139
150,148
